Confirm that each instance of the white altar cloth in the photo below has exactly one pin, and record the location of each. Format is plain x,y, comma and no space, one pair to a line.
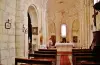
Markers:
64,46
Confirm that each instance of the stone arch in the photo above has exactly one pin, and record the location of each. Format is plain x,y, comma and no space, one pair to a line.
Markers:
33,27
35,8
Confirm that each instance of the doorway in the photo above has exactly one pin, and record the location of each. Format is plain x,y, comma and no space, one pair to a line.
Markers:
32,29
29,34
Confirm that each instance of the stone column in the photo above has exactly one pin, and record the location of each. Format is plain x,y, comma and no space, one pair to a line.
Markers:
19,32
7,35
81,19
44,26
87,24
44,21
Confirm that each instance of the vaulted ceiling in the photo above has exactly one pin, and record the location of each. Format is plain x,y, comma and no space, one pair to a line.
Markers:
57,5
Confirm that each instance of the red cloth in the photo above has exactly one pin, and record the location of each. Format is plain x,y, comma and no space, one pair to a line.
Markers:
64,60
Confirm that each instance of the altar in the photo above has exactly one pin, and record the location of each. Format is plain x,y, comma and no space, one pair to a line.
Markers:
64,53
64,47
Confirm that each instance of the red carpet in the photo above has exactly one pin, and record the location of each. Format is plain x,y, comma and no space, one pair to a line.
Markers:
64,59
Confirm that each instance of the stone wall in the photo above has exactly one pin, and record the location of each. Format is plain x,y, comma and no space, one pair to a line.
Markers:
14,41
22,19
7,36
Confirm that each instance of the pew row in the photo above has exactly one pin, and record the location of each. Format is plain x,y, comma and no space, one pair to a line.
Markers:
44,56
88,63
80,59
33,61
49,51
46,52
81,55
38,55
81,50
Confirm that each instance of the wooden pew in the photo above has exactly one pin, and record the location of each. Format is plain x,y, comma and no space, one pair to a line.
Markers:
80,55
81,51
44,56
80,59
88,63
46,52
84,57
33,61
52,51
37,55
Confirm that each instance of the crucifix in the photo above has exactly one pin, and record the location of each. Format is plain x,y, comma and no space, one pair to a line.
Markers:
7,24
94,16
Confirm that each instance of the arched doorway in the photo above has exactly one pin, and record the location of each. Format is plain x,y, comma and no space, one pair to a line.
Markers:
32,28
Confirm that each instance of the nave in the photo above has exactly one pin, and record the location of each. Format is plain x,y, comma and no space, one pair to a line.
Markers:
67,31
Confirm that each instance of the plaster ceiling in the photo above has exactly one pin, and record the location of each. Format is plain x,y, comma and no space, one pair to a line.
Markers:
58,5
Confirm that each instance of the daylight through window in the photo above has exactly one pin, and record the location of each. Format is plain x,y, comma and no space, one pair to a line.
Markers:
95,1
63,30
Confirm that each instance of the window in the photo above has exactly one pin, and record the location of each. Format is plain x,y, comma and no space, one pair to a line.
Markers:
63,30
95,1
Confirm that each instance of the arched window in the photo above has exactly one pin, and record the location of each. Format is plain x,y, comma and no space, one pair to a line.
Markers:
95,1
63,30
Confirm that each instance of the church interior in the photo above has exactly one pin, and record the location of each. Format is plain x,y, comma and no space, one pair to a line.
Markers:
49,32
